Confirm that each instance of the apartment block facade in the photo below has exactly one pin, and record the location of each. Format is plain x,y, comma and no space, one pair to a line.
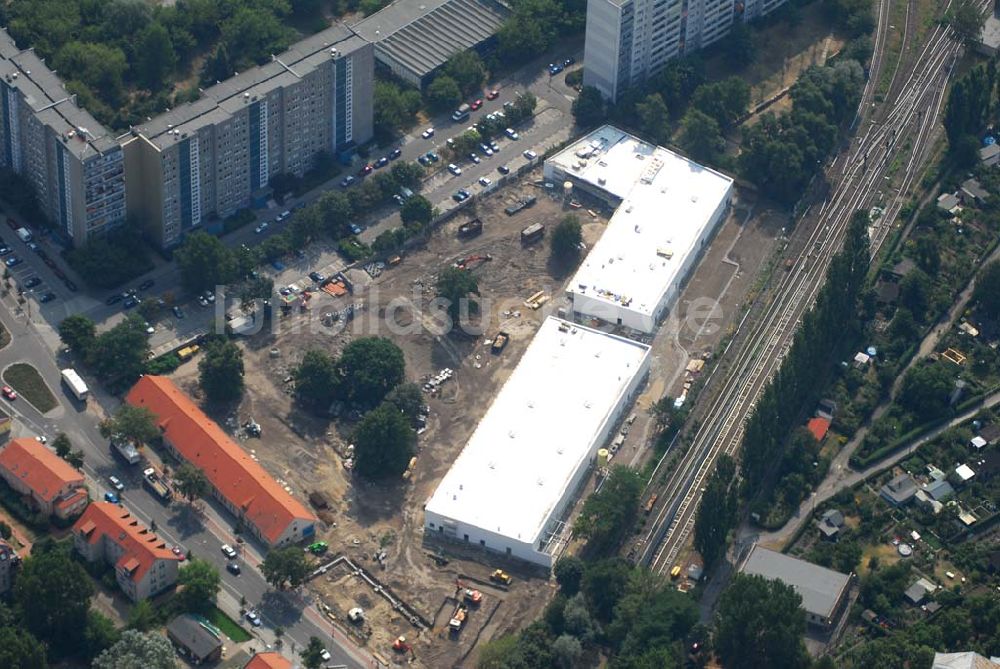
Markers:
75,165
628,41
209,158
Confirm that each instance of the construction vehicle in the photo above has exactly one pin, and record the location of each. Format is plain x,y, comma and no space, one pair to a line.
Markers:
675,573
500,342
537,300
473,597
400,645
187,352
458,618
532,233
472,261
472,228
650,502
151,479
125,449
501,577
318,548
394,260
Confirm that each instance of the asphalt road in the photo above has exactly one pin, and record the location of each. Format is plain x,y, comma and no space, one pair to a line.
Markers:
201,531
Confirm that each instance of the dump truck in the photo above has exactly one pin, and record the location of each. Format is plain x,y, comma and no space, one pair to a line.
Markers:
458,619
500,342
471,596
532,233
187,352
472,228
156,485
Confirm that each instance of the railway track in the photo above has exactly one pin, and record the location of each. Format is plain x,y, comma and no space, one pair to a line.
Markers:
909,122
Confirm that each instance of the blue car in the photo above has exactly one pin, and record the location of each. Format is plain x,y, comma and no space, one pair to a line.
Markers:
111,497
12,261
355,229
277,264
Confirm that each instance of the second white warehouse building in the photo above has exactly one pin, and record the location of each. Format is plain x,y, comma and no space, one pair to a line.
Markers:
529,455
667,208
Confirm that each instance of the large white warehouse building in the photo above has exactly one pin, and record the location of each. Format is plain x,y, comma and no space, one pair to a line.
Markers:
668,207
526,460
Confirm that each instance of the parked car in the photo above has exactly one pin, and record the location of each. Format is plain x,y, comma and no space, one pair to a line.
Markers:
31,282
460,195
282,216
529,154
475,104
382,162
493,95
555,68
494,146
569,61
261,228
503,169
325,655
9,393
433,156
45,298
178,312
366,170
454,169
228,551
34,247
511,133
474,158
253,617
346,181
147,284
487,149
114,299
427,134
70,285
484,181
111,497
12,261
395,153
179,552
116,483
149,328
317,277
355,229
424,160
4,250
130,302
234,569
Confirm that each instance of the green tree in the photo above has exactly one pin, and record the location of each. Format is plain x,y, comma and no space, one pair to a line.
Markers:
53,594
443,93
204,262
316,380
384,442
725,101
569,571
220,371
914,293
394,107
700,135
717,512
119,354
454,286
20,650
312,655
255,288
605,582
925,390
75,459
78,333
740,45
99,635
760,624
369,368
250,35
467,69
284,566
966,20
62,445
417,211
200,583
155,56
136,424
138,650
609,515
654,118
98,66
567,651
407,398
566,241
191,482
142,617
987,290
588,108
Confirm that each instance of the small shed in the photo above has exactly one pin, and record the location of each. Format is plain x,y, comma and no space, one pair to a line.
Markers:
939,491
948,202
974,192
819,427
195,638
916,593
990,155
900,490
964,473
978,442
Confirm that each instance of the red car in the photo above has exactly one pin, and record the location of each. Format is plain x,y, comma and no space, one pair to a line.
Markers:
476,104
493,95
9,393
366,170
179,552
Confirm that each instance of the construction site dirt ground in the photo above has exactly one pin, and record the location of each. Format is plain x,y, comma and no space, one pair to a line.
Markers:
306,453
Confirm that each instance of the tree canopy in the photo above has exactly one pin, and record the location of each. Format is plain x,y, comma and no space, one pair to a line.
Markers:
760,623
137,424
316,380
384,442
454,286
609,514
588,108
717,512
191,482
369,368
200,584
204,262
566,241
53,594
926,389
284,566
78,333
118,356
221,371
138,650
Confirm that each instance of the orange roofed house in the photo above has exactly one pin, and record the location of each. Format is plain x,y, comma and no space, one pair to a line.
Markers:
238,481
269,660
144,565
36,472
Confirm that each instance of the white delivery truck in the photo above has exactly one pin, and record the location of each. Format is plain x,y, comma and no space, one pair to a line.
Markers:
24,234
75,383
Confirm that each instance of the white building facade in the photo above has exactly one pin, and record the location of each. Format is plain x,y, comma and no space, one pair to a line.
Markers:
667,208
522,468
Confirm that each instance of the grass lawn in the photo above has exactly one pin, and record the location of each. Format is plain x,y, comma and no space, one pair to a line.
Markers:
28,383
4,336
228,626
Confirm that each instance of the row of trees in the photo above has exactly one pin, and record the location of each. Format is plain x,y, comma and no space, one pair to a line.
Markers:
826,333
968,110
535,25
117,356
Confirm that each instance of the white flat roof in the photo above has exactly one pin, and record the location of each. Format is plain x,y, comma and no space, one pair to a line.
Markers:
539,430
667,202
